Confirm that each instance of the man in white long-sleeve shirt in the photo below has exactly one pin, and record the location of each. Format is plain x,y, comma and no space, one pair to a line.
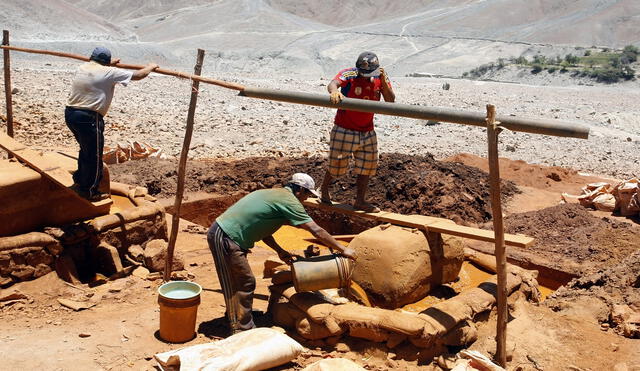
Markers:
88,103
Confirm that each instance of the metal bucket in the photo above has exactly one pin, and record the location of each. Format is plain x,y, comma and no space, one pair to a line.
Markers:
321,272
179,302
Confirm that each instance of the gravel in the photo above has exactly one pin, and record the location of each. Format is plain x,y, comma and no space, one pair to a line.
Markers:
154,111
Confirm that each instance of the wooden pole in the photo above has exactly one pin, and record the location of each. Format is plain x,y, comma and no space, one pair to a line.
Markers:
175,220
7,83
501,261
162,71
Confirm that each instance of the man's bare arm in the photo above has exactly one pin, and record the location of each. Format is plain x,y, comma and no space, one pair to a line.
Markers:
387,91
144,72
335,95
283,254
324,236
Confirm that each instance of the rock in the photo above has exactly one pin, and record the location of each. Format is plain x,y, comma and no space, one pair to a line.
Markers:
627,320
154,276
11,294
141,272
155,253
41,270
136,252
107,258
76,305
395,339
6,281
342,348
84,335
54,249
23,273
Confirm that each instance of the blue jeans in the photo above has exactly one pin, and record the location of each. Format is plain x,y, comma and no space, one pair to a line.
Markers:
88,129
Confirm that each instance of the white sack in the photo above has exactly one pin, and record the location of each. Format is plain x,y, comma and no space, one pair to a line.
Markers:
252,350
334,364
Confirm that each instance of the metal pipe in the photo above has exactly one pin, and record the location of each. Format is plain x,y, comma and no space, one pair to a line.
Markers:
535,126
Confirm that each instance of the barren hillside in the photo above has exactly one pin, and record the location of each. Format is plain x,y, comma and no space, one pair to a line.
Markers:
316,38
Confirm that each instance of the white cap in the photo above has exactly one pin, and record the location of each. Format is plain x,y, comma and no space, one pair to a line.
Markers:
305,181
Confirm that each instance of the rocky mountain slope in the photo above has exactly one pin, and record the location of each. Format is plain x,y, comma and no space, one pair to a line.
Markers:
315,38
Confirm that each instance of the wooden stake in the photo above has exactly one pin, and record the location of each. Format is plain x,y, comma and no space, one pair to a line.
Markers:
162,71
175,220
7,83
501,261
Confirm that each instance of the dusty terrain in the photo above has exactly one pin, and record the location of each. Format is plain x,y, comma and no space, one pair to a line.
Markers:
120,332
241,144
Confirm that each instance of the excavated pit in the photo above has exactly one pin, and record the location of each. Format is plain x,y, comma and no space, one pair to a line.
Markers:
436,319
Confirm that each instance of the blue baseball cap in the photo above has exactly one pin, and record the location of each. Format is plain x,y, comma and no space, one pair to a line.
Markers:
101,55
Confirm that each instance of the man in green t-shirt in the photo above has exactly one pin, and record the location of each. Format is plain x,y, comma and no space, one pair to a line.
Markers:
254,218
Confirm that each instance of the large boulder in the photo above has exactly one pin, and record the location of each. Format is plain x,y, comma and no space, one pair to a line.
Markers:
398,266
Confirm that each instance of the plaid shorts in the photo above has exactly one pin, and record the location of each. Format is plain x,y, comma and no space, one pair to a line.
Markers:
344,143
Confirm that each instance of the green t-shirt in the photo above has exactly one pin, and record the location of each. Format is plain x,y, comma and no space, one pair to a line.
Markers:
260,213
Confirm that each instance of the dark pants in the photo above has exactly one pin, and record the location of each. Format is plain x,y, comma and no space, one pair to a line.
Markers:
88,129
235,276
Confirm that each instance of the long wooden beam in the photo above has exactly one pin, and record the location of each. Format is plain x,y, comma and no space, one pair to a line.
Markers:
535,126
162,71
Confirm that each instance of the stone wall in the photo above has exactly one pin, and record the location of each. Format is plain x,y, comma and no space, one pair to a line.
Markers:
78,251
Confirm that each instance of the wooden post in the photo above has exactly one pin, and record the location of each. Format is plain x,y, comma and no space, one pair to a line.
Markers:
175,220
7,83
501,261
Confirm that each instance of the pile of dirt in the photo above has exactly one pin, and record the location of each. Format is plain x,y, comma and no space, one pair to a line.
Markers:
569,231
404,184
551,178
617,285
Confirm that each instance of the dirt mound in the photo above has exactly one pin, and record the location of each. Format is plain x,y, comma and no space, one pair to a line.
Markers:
404,184
571,232
552,178
617,285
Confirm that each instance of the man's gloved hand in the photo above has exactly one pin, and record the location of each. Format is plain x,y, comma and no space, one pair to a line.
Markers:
336,97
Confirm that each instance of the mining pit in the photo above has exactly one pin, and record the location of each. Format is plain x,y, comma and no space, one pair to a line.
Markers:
434,297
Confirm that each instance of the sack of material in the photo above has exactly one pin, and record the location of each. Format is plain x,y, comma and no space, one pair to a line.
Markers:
333,364
252,350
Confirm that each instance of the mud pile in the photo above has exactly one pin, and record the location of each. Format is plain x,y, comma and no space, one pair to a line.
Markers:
571,232
416,265
404,184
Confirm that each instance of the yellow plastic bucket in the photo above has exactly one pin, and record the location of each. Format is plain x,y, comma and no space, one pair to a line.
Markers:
321,272
179,302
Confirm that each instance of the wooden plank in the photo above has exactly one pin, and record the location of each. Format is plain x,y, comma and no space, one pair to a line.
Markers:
413,221
479,234
46,168
423,222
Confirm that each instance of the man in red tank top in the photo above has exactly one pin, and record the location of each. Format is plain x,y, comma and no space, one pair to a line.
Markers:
353,133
